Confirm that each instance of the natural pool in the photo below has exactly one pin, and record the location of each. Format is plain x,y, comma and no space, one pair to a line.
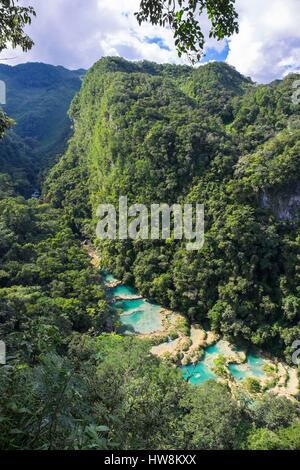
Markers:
123,291
107,277
139,315
202,370
198,373
143,317
253,367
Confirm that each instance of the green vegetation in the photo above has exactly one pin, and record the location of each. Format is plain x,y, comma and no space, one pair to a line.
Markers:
252,385
109,392
283,439
175,134
47,287
158,134
183,17
220,366
38,98
13,20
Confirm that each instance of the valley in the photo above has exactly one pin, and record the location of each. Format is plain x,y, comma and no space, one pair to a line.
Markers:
111,343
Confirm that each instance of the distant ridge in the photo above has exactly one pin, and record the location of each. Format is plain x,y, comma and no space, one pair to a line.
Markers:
38,99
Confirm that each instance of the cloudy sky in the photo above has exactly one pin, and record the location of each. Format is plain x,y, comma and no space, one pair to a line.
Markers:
76,33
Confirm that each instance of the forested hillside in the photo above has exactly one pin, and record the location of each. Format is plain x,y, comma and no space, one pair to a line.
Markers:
38,97
156,134
208,135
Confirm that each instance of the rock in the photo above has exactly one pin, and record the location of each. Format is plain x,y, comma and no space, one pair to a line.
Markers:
285,205
211,338
112,284
126,297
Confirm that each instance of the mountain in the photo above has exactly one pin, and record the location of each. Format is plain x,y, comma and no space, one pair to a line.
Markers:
38,99
156,133
167,134
149,122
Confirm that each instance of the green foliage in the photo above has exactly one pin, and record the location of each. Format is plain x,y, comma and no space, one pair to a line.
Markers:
13,20
5,123
284,439
173,134
109,392
158,134
220,366
264,439
47,408
272,414
47,287
252,385
212,419
183,18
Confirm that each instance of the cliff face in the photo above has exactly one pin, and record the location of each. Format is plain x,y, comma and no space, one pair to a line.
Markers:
175,134
285,206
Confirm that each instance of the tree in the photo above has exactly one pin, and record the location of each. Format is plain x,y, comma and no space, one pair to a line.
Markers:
184,18
212,420
284,439
274,412
264,439
13,19
5,123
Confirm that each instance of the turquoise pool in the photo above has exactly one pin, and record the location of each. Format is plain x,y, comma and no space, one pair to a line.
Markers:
198,373
139,316
252,368
143,317
202,370
123,291
108,277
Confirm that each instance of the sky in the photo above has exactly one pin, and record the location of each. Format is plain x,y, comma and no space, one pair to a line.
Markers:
76,33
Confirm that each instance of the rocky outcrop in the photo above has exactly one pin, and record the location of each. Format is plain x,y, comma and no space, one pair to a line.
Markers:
112,284
287,382
286,206
126,297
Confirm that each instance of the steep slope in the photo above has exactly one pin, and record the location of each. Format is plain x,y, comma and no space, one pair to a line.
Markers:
169,134
38,98
175,134
137,120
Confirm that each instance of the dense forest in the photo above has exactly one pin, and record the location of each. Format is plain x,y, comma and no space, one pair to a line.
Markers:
174,134
156,134
38,99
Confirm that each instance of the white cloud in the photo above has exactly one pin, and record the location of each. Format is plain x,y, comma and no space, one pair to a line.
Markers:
268,44
76,33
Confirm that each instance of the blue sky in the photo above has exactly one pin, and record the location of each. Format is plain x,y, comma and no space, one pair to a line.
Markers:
76,33
213,54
